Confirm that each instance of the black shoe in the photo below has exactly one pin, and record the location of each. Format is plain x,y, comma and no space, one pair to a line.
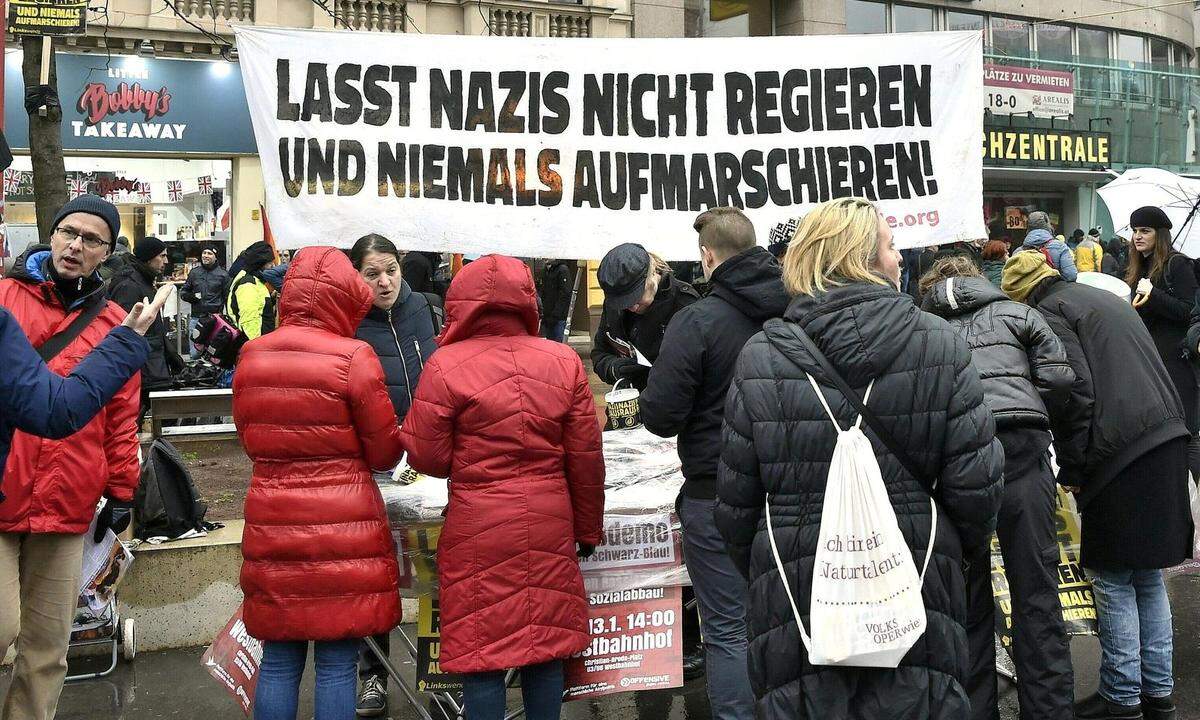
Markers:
372,699
1095,707
693,664
1162,708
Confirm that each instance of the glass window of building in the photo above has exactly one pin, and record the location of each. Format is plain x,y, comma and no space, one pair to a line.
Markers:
1053,41
963,21
1160,59
1131,51
720,18
906,18
1093,49
865,17
1010,37
1093,43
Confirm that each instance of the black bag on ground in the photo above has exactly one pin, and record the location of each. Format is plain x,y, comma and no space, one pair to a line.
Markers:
166,502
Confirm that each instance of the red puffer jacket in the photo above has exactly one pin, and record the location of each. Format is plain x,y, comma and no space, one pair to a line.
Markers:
53,485
509,418
315,417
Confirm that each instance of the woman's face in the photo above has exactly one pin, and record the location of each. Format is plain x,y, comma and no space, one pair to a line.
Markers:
887,260
1144,239
382,273
652,283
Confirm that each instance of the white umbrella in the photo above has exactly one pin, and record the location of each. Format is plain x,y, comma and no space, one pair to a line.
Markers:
1177,196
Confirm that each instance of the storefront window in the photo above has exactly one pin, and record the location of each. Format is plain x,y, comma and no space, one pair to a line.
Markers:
963,21
906,18
1054,41
865,17
1131,51
1010,37
1007,216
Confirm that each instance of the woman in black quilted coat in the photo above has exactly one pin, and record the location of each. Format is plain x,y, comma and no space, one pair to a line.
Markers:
1026,380
843,273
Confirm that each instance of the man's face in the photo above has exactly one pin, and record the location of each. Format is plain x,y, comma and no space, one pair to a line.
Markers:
158,262
78,245
208,258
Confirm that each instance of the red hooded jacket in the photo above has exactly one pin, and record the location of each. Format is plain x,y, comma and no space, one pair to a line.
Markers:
53,485
509,418
315,417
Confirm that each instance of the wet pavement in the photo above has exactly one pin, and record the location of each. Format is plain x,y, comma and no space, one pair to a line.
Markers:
173,685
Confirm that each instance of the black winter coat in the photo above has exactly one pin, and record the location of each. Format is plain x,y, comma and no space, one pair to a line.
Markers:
555,292
205,289
685,395
644,331
133,281
403,339
1021,362
1167,315
778,442
417,270
1123,408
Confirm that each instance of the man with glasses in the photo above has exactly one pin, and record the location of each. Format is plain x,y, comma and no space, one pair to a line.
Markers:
53,486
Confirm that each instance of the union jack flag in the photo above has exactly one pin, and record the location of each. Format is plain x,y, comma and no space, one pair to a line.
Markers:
144,193
78,188
205,185
175,190
12,181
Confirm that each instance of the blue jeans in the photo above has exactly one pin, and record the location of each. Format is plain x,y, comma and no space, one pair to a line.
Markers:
541,692
1135,634
721,594
555,331
278,692
193,323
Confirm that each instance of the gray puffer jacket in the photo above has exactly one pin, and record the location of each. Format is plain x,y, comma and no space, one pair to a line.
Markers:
1021,362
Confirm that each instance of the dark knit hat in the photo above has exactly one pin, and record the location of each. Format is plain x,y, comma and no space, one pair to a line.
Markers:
149,248
1151,217
93,205
1094,232
1077,234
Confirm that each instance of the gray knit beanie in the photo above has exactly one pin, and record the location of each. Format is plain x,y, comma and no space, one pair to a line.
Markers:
1039,220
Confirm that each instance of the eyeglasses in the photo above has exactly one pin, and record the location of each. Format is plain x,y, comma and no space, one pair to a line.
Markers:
92,241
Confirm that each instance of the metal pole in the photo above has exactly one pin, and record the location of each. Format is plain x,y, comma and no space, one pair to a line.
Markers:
1095,66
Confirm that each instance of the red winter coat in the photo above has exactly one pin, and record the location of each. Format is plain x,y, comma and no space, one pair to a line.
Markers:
315,417
509,418
53,485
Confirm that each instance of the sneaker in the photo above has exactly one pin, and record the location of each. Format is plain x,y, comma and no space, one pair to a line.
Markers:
372,699
1096,707
1162,708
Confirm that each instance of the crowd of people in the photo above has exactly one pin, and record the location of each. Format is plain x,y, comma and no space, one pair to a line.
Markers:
975,359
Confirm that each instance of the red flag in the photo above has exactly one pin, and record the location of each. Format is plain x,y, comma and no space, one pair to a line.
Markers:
267,236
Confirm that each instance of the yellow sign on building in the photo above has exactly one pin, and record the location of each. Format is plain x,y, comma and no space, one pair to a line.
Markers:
1041,147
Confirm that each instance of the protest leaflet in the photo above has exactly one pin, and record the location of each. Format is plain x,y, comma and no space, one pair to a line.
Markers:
234,659
563,148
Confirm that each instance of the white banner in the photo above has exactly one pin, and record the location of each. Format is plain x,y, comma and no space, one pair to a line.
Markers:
549,147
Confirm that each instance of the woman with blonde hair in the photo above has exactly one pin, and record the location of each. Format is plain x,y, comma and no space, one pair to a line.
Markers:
843,273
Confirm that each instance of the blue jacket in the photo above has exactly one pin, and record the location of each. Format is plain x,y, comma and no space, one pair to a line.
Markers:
1060,254
37,401
403,338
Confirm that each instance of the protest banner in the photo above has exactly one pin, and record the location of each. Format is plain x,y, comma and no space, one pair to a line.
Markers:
634,541
565,147
637,644
47,17
430,677
233,659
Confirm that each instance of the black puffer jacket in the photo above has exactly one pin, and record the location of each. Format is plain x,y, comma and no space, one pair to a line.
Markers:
403,338
1021,361
685,395
644,331
778,441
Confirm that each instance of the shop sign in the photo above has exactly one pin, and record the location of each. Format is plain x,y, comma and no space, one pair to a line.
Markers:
141,105
1010,90
1042,147
47,17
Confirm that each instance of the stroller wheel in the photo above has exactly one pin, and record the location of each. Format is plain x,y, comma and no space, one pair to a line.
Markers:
128,640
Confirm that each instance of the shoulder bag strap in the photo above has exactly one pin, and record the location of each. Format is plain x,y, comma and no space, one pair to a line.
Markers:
61,339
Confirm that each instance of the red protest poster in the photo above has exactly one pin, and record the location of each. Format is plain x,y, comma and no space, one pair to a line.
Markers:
233,659
637,643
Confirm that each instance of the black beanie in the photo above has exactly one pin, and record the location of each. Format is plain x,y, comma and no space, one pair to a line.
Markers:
1151,217
1078,233
93,205
149,248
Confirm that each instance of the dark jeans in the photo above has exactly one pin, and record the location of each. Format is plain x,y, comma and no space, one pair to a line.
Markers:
721,595
555,330
369,664
541,692
1041,650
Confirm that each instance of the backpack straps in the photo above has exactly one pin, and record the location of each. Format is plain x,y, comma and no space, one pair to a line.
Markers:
61,339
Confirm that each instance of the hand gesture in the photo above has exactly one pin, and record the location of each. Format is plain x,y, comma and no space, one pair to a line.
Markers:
144,313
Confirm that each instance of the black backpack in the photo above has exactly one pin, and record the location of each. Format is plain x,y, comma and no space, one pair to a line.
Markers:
166,502
437,312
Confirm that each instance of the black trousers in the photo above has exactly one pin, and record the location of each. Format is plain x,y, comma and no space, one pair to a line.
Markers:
1041,649
368,664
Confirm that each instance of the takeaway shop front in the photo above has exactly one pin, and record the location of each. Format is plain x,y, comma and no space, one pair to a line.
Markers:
165,140
1054,170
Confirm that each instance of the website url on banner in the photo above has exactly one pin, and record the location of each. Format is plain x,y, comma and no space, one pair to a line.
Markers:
920,219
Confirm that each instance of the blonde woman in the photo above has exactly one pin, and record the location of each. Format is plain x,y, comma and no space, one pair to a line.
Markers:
843,273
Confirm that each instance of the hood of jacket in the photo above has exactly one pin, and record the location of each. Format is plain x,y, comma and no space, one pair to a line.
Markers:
30,267
861,327
1038,238
323,290
493,295
961,295
752,281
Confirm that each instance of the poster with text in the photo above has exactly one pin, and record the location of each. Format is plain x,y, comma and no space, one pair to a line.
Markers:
565,147
637,644
430,677
233,660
